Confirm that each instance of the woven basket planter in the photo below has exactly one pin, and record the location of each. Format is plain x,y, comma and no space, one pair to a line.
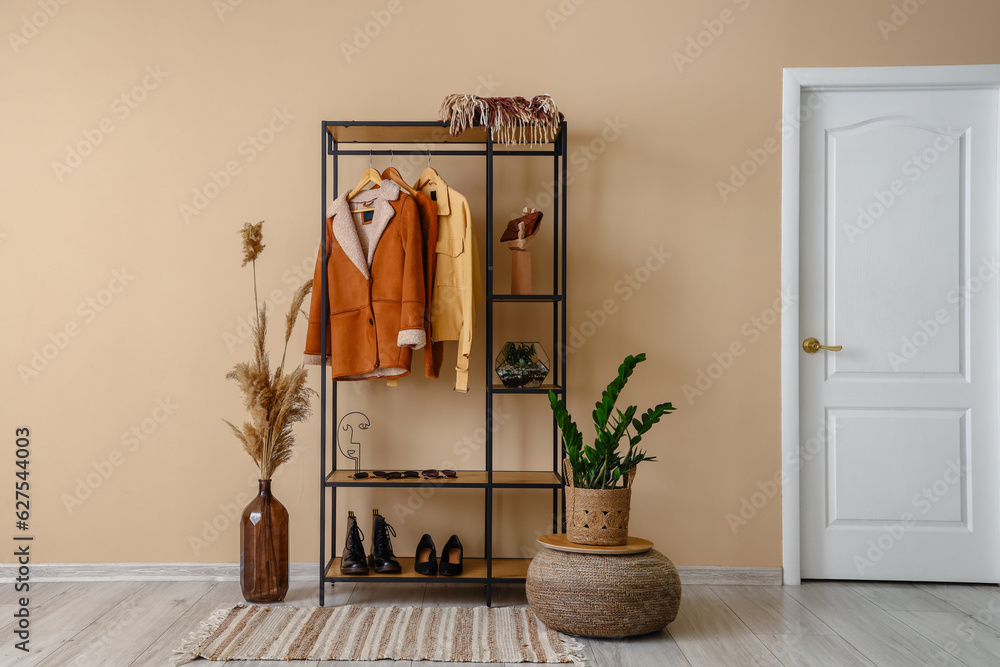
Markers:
603,596
597,516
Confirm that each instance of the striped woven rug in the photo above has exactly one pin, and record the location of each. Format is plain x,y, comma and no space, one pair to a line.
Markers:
447,634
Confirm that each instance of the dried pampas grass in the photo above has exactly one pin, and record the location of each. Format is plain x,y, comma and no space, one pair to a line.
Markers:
252,236
510,120
275,401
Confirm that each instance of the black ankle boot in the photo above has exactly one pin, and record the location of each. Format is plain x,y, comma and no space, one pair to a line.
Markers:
382,559
352,561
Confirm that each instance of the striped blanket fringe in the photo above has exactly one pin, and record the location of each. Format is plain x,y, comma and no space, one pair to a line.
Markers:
446,634
510,120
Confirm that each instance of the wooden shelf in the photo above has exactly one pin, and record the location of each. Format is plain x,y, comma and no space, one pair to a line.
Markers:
526,478
473,571
527,298
467,479
511,568
417,132
544,389
402,132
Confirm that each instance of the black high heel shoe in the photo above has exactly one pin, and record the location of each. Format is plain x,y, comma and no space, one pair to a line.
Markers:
426,561
451,557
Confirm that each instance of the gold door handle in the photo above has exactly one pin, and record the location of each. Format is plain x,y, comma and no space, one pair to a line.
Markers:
811,345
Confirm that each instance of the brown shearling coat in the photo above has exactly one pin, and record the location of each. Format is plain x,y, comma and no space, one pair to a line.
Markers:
375,287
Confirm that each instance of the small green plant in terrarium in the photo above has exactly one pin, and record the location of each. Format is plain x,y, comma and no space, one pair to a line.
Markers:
522,365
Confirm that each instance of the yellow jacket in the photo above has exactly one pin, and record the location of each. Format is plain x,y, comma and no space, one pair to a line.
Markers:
457,281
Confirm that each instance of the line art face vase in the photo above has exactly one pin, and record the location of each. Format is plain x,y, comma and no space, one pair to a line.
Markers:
264,548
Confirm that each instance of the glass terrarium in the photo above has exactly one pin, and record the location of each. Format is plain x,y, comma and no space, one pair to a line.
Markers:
522,365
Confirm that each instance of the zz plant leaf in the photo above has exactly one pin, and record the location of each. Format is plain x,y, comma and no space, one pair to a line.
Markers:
603,465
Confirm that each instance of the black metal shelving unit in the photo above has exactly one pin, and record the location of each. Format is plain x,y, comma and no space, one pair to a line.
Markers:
426,138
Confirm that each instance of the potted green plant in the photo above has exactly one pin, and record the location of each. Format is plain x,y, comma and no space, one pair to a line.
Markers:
599,478
275,402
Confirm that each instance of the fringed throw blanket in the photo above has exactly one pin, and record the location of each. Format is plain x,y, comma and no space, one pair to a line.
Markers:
448,634
510,120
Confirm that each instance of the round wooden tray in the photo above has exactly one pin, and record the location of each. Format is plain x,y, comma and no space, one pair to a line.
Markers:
559,542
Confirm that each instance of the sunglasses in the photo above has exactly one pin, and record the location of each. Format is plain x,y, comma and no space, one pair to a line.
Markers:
386,475
433,474
390,475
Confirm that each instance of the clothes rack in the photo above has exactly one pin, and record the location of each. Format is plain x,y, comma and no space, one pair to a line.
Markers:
430,136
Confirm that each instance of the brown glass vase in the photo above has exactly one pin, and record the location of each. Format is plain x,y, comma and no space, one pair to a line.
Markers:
264,548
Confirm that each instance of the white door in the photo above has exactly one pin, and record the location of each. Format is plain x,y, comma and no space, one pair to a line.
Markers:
898,265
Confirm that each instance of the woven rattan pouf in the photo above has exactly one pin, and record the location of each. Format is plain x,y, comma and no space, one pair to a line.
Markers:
603,596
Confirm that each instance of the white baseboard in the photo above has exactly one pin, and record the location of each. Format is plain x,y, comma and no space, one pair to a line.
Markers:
730,576
66,572
51,572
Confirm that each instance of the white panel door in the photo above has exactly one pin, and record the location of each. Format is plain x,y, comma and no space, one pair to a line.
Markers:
898,265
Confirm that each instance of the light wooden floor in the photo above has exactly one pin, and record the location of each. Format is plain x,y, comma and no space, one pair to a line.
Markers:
121,624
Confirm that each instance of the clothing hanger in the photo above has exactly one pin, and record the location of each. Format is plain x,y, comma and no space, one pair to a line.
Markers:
392,174
429,175
369,177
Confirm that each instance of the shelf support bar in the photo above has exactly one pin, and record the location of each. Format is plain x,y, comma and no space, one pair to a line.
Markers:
322,381
489,369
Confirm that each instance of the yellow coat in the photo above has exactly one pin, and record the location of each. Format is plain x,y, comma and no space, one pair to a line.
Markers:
457,280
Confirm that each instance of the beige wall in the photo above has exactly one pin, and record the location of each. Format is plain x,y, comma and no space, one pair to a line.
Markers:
167,331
